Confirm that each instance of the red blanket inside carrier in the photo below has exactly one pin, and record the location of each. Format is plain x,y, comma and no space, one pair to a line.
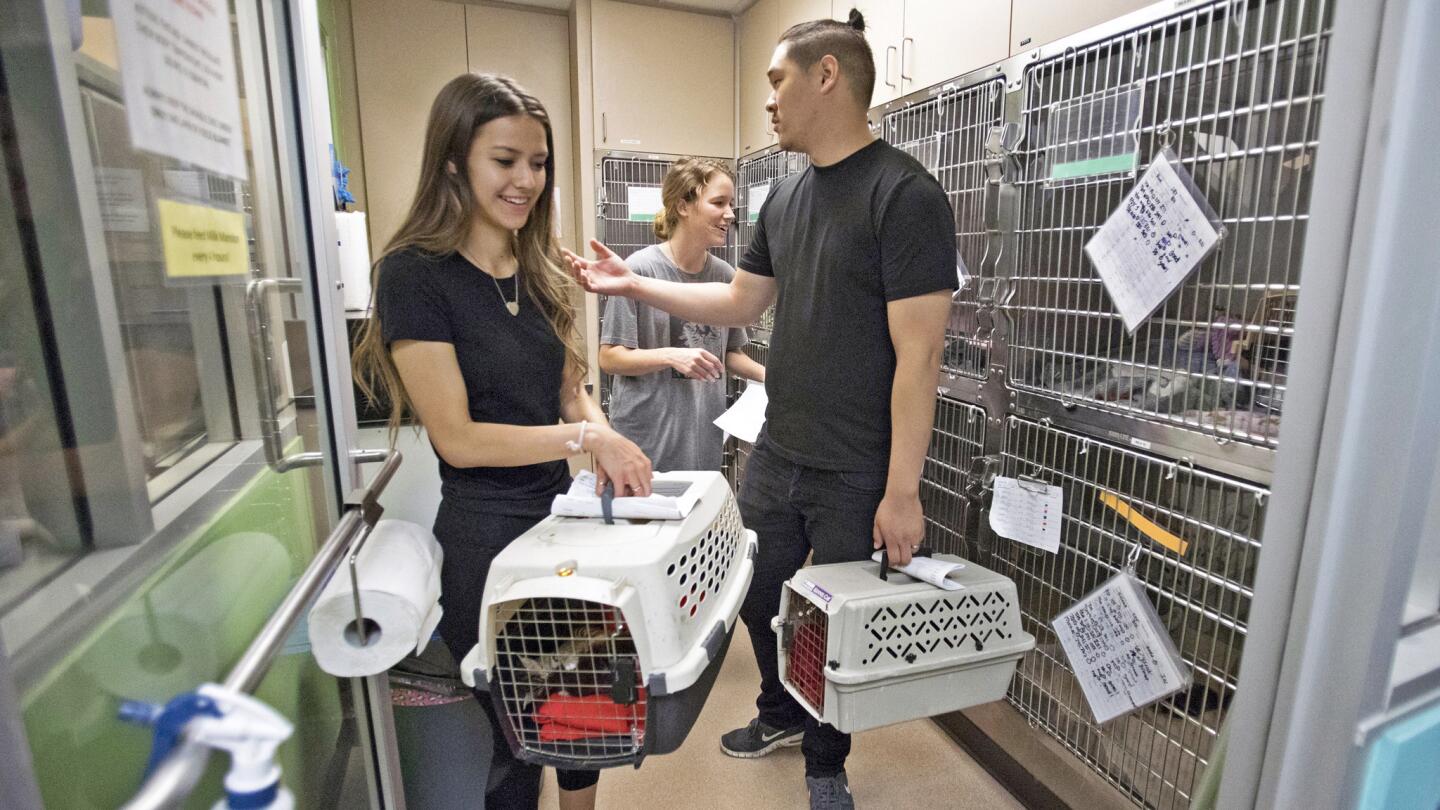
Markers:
569,717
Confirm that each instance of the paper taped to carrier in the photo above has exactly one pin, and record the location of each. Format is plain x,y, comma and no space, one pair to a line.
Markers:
1119,649
673,495
931,570
1150,244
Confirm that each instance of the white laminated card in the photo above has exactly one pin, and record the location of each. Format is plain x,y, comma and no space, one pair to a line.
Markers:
643,203
1028,512
1119,649
754,200
1150,244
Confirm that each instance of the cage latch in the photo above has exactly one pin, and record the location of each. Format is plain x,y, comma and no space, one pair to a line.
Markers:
784,629
982,474
1000,146
622,682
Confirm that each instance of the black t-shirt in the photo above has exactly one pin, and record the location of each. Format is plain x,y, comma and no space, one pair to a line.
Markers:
841,241
513,366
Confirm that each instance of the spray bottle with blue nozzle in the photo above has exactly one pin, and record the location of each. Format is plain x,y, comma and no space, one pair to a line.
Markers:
235,722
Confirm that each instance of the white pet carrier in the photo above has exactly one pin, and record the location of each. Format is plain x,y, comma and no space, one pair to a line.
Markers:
599,643
860,652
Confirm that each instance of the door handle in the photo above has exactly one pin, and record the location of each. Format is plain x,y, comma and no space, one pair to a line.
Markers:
889,49
604,129
262,353
907,45
263,356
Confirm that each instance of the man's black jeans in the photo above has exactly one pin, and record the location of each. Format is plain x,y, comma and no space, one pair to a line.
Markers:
798,511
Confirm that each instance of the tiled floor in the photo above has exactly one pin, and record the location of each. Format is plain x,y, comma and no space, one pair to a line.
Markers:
912,766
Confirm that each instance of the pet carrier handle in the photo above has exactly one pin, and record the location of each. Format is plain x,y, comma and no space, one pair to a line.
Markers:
607,503
923,551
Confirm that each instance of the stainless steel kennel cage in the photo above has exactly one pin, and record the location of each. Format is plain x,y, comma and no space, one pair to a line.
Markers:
623,230
1163,441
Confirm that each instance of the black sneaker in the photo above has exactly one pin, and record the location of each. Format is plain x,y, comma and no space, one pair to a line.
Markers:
758,739
830,792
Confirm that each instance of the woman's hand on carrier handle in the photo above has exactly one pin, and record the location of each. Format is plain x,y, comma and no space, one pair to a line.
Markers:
618,459
607,274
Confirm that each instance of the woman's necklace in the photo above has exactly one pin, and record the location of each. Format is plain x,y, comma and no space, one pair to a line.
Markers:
513,307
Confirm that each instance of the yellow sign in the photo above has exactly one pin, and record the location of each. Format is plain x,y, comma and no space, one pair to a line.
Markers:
201,241
1149,529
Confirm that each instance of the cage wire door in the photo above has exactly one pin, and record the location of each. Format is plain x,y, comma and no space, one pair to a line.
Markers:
1198,536
756,178
1234,88
624,178
948,134
947,493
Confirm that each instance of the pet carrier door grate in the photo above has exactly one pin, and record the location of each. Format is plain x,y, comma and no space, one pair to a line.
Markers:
599,643
1198,539
947,134
568,675
1234,88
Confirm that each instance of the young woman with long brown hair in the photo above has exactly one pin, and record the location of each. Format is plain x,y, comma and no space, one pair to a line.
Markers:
474,333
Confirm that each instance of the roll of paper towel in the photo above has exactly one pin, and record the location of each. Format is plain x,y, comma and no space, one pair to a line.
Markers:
399,574
354,252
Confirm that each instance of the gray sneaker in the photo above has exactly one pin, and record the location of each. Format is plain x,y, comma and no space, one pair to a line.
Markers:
757,739
830,792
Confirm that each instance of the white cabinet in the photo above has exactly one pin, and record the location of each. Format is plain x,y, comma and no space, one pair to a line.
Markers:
918,43
1037,22
944,39
758,30
884,28
664,80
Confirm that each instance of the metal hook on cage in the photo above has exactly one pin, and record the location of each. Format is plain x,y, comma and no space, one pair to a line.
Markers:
1132,558
1033,483
1084,446
1165,135
1260,498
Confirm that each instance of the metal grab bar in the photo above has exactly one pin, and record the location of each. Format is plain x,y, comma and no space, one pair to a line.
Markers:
263,356
176,777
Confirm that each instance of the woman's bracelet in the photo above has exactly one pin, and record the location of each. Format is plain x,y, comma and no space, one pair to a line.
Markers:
578,446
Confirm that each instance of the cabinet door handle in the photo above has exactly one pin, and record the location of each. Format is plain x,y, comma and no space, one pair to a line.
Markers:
604,129
907,45
888,50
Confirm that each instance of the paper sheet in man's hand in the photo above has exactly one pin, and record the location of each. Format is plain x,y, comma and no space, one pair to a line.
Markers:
747,415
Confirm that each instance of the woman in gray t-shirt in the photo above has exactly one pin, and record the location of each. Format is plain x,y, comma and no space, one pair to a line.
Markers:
669,375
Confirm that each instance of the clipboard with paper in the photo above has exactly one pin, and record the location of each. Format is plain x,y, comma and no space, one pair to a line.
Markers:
1154,240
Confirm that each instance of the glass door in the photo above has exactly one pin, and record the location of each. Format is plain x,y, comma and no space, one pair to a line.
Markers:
171,452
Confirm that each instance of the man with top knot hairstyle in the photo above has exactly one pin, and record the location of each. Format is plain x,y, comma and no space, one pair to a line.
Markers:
857,252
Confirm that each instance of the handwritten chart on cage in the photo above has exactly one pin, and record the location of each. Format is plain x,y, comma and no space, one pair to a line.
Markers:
1119,650
1150,244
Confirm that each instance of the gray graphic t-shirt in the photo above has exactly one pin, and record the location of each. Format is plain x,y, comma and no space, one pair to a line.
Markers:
668,415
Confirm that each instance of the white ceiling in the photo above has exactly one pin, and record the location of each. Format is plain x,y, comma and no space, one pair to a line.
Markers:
711,6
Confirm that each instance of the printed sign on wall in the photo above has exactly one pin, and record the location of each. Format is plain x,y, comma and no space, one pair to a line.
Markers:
177,67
